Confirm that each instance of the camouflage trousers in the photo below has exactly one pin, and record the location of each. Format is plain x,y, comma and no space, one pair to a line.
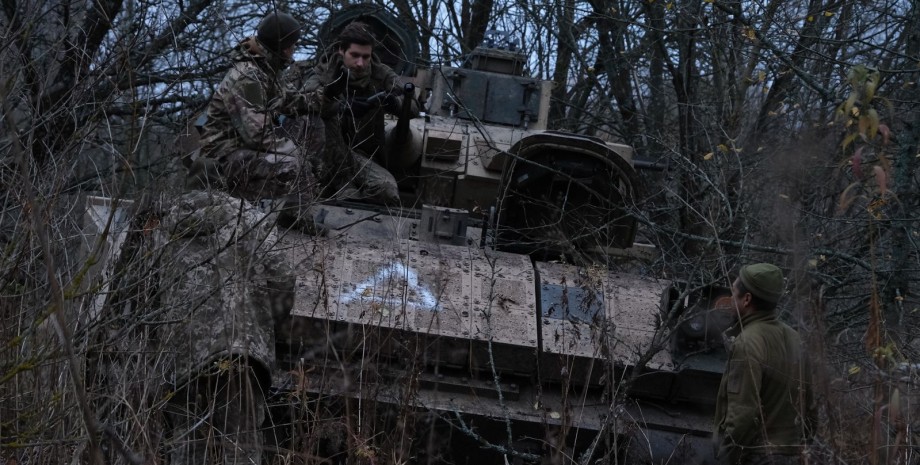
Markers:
366,181
252,176
216,419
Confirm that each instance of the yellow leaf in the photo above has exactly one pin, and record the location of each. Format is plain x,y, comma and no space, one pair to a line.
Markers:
828,13
708,156
761,76
722,148
854,369
848,140
847,106
863,125
750,33
224,364
669,5
873,122
810,19
872,81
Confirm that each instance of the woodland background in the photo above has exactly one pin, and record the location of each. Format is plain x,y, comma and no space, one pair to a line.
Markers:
791,132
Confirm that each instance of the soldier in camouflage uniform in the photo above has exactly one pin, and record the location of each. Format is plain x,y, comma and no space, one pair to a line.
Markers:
222,285
348,74
243,149
764,409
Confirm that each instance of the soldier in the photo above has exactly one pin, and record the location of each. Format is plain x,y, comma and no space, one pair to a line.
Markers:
222,284
242,149
349,74
764,410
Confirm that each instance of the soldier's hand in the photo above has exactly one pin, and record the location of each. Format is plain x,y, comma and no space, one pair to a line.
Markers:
392,104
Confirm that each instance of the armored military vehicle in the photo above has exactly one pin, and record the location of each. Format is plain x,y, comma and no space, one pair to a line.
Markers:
490,318
489,306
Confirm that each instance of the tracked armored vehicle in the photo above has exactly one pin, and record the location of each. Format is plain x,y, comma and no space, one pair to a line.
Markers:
479,308
492,318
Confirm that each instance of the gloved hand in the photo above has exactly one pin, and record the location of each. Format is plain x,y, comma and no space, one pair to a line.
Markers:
392,104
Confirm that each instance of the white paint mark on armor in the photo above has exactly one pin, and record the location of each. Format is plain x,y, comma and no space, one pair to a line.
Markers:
394,284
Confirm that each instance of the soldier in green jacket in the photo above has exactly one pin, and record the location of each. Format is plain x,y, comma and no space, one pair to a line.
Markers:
765,408
357,89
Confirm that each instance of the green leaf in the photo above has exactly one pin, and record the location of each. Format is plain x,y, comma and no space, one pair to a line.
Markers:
872,79
857,75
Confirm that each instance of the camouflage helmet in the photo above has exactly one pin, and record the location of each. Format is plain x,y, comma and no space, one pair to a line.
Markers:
278,31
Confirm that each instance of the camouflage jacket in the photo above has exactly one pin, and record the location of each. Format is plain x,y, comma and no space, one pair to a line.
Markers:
246,106
223,284
765,403
364,133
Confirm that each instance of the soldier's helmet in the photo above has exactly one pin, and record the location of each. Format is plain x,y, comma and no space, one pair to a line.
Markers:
278,31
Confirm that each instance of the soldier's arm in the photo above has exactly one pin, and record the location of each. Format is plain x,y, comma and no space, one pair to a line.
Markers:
743,416
392,84
249,112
